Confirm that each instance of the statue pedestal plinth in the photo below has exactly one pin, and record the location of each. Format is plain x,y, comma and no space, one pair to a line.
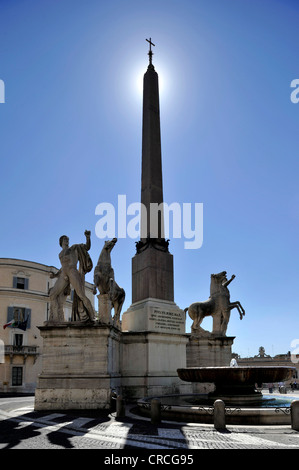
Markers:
104,309
153,348
80,367
209,351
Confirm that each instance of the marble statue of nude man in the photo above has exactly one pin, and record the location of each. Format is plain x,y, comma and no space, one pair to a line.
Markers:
69,274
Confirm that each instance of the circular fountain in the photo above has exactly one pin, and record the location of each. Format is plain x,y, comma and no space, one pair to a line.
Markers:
237,386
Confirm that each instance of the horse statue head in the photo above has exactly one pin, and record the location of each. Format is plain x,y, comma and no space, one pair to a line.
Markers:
217,281
109,244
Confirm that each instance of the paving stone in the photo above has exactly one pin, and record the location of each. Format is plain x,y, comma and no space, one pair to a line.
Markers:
23,427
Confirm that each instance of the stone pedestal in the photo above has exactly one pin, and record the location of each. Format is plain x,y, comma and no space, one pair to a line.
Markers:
152,275
80,367
149,363
153,348
209,351
104,308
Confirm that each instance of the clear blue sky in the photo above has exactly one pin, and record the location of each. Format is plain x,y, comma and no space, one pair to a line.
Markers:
71,139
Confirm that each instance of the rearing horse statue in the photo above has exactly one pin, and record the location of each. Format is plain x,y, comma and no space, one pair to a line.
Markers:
218,306
104,281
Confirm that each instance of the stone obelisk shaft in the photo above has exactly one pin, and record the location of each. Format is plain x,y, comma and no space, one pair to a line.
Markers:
151,181
152,266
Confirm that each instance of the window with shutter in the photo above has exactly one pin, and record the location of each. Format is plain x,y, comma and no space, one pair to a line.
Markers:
20,283
19,314
10,314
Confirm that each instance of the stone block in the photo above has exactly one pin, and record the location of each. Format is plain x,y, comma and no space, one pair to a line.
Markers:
154,315
209,351
104,308
80,367
149,363
152,275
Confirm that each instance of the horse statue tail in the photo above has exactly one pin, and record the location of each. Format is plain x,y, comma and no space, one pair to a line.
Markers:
186,309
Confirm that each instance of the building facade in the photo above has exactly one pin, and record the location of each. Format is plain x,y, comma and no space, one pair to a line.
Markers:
24,306
263,359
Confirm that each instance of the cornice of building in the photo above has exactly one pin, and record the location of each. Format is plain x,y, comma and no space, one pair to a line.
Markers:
21,294
26,264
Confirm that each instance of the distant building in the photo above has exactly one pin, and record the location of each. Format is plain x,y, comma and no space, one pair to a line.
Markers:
24,287
263,359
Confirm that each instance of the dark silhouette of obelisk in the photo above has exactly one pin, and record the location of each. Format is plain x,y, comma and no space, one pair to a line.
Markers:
153,327
152,266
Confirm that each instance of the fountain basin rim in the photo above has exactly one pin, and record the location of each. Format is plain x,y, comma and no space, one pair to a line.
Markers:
238,415
236,367
236,375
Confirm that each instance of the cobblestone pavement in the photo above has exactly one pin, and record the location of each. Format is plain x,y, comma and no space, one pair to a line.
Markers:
24,428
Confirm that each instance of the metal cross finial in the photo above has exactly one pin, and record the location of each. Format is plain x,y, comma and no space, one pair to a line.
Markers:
150,52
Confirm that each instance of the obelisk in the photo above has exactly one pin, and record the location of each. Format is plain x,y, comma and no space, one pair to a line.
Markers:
151,179
152,266
153,328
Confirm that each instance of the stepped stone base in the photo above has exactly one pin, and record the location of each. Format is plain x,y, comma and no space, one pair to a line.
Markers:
80,367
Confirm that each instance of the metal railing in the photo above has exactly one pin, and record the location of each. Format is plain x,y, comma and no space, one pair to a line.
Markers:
24,350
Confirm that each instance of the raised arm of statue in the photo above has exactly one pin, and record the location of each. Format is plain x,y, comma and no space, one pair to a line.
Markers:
225,284
87,235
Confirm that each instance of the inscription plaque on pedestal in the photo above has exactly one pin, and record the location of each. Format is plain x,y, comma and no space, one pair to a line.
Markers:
154,315
166,321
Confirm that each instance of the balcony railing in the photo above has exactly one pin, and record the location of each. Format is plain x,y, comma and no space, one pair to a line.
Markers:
24,350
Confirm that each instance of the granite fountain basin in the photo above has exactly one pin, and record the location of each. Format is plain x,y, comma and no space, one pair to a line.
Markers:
236,376
236,385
